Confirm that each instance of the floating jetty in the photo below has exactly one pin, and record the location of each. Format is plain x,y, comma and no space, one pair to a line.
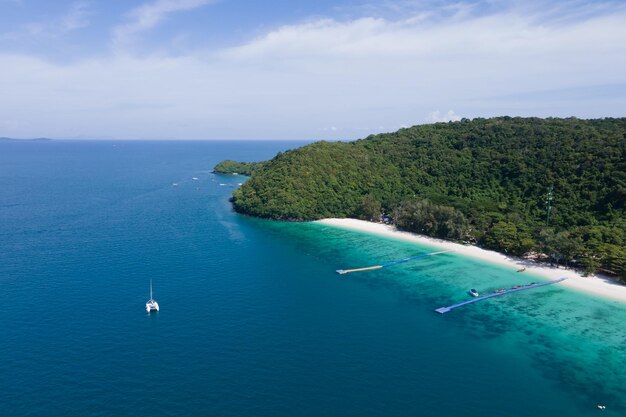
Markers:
369,268
443,310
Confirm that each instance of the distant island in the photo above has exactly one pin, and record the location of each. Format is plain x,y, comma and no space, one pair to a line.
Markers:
24,140
553,187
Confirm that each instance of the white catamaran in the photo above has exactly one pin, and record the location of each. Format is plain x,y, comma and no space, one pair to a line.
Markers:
151,305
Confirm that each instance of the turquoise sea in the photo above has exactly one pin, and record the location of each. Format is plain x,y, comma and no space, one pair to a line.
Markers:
254,320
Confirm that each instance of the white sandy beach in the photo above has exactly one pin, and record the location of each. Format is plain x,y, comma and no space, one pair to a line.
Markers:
599,285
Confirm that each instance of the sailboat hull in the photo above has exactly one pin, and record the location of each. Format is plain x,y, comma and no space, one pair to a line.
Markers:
152,306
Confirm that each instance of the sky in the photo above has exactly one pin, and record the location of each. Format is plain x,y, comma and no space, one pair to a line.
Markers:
294,69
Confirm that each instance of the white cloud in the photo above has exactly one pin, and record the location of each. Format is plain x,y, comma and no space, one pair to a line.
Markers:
294,79
149,15
436,116
77,17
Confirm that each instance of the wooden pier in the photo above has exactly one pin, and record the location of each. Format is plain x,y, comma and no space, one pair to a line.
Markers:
369,268
443,310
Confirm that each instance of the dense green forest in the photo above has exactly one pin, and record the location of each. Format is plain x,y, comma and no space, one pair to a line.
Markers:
233,167
553,186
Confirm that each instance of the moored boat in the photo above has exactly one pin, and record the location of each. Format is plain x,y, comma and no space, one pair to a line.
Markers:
151,305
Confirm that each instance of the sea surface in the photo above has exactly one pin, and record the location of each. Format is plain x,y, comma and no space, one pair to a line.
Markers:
254,320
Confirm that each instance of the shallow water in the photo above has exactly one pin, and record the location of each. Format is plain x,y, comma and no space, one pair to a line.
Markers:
254,321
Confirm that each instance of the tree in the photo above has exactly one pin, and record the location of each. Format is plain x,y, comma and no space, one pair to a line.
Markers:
421,216
505,236
370,208
614,259
566,247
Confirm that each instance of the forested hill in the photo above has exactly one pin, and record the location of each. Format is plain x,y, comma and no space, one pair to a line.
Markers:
484,179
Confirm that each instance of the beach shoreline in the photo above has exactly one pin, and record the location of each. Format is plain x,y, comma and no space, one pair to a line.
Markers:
597,284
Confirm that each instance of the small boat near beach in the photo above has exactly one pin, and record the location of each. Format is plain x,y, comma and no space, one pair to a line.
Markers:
151,305
474,293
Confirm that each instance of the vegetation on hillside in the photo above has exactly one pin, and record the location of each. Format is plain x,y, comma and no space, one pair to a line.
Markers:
233,167
486,180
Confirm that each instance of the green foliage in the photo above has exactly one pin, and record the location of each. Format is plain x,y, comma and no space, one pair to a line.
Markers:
495,172
319,180
370,209
561,246
613,260
505,236
424,217
233,167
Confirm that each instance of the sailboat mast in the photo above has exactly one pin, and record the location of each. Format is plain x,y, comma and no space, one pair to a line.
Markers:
151,289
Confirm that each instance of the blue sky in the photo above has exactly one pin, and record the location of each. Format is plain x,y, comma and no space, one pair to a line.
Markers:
243,69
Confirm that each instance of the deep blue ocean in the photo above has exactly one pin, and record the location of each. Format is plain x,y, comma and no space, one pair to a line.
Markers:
254,320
